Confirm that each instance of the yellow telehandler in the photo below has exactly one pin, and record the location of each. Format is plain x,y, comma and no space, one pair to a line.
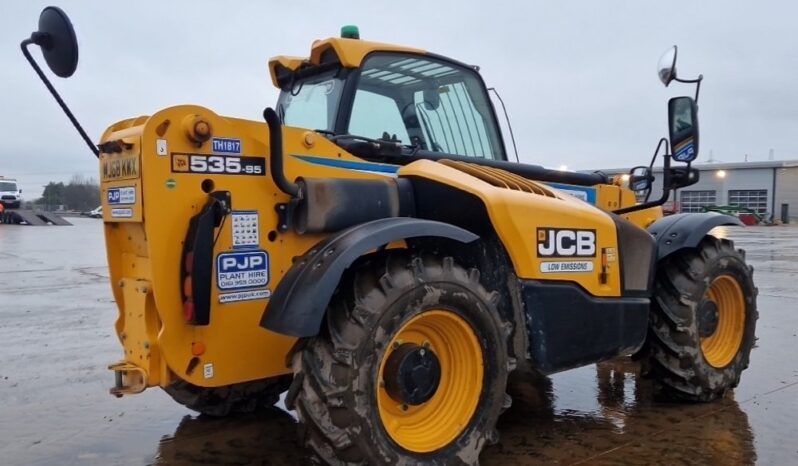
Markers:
370,249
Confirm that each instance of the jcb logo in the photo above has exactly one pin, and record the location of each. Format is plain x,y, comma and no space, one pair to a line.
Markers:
556,242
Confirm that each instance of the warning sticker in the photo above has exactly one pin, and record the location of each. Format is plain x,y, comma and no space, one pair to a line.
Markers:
238,270
245,229
244,296
161,147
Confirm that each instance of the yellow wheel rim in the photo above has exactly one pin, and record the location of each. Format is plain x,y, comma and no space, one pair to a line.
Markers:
437,422
721,347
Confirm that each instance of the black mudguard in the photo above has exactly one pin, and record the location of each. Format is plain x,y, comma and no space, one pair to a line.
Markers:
298,304
686,230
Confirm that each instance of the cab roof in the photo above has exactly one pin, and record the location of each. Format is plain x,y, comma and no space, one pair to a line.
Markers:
349,53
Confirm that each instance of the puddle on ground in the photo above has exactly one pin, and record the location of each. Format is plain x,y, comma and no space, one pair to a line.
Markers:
603,414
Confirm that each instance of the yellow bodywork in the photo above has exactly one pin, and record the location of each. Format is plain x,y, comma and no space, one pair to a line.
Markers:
350,53
144,246
516,216
145,235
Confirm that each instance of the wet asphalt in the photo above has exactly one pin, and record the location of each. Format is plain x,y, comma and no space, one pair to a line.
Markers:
57,337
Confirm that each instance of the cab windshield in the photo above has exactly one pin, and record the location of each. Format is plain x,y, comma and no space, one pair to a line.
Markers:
432,104
6,186
423,102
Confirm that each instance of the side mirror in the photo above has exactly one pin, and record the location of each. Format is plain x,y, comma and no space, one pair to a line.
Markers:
56,37
640,179
59,45
681,177
683,126
666,69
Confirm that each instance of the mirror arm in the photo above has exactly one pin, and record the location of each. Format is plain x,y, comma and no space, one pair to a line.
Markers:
666,179
696,81
42,40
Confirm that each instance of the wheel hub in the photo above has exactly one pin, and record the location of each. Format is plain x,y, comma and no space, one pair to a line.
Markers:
708,317
412,374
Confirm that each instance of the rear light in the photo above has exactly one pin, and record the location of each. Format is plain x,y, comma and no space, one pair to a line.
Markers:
189,262
187,287
188,310
188,304
196,265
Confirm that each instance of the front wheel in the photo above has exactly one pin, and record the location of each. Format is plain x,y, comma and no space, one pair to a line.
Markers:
703,321
410,369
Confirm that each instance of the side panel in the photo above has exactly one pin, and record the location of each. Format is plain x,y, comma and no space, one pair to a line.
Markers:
171,185
569,328
548,237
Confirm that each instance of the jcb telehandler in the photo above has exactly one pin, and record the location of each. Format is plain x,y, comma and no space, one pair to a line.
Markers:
371,250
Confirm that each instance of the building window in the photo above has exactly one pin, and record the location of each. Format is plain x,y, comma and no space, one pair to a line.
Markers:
694,201
754,199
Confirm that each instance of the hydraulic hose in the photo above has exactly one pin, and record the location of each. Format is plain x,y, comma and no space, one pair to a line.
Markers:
276,154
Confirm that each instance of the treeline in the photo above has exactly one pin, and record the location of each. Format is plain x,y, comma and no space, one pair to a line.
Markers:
81,194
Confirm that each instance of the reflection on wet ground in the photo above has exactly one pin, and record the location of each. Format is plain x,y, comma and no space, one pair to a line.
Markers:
268,437
624,425
56,336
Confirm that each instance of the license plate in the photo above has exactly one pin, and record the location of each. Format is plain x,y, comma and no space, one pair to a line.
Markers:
119,167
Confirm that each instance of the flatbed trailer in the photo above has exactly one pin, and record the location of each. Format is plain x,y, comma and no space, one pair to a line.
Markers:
32,217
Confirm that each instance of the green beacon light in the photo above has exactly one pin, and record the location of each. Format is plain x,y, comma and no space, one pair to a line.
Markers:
350,32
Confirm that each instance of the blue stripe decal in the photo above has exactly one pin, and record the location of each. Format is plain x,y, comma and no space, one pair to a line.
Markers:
590,193
349,164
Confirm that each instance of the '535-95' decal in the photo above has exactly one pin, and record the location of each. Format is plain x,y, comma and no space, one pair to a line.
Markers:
227,165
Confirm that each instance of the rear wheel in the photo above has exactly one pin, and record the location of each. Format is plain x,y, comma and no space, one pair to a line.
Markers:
237,398
410,369
703,321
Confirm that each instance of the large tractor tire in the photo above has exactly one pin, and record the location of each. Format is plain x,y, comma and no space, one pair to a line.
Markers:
239,398
702,322
410,368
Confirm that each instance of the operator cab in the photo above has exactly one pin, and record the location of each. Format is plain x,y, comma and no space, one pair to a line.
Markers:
387,103
413,104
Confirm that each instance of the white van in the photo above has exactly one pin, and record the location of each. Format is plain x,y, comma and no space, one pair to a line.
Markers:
10,194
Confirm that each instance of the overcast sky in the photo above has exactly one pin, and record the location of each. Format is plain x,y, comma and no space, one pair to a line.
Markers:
579,78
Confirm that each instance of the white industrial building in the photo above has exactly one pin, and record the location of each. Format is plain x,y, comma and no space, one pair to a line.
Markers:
768,188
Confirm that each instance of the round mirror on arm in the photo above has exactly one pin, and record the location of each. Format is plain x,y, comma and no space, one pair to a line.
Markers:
666,68
58,41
